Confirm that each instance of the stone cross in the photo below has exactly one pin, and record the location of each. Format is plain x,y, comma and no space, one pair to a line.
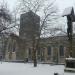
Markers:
69,13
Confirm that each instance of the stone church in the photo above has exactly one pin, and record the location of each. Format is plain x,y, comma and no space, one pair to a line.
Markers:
51,49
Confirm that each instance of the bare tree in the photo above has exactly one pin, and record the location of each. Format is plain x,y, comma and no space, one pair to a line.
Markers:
8,19
8,22
47,11
5,17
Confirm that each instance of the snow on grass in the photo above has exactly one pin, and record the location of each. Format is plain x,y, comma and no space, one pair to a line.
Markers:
7,68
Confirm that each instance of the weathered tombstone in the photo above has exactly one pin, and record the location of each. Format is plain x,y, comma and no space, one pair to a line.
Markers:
70,61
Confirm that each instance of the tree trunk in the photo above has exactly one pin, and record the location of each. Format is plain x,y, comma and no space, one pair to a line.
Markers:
34,53
35,61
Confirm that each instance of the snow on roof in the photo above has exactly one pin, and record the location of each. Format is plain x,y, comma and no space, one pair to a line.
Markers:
67,11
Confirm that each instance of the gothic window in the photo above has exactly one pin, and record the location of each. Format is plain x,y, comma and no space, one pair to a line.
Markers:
42,54
38,51
61,50
29,51
49,50
9,47
14,47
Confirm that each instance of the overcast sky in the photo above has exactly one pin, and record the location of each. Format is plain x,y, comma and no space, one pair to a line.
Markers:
62,4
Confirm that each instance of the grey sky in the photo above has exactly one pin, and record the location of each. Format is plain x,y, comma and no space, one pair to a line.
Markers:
61,4
11,3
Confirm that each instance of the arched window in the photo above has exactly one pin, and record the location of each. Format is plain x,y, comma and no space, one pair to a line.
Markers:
14,47
61,50
38,51
29,51
9,47
49,50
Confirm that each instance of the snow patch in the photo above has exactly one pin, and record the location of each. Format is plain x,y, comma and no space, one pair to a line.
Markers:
28,69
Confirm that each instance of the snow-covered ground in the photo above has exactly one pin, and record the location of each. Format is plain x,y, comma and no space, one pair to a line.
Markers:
28,69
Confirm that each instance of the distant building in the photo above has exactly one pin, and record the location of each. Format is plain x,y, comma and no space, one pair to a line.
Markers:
15,48
29,27
51,50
